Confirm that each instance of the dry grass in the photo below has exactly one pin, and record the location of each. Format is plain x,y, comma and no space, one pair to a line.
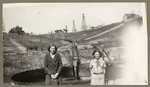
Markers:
15,62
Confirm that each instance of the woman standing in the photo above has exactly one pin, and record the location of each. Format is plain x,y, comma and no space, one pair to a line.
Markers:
97,67
53,67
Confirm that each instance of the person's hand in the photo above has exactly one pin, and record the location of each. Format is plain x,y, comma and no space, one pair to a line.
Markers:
53,76
56,75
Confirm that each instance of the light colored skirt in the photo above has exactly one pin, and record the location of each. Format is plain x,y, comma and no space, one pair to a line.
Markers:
97,79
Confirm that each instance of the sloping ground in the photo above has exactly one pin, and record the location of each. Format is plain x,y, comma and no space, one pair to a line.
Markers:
15,61
29,41
9,47
106,37
104,32
109,39
45,39
82,35
20,47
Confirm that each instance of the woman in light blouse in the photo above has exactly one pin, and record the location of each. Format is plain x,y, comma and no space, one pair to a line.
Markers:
97,67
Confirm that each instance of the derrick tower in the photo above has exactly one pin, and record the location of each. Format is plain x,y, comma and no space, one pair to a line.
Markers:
74,27
84,27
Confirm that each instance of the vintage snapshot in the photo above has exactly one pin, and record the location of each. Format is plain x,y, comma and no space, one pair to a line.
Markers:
75,43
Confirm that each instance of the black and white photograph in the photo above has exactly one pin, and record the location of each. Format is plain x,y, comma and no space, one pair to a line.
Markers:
98,43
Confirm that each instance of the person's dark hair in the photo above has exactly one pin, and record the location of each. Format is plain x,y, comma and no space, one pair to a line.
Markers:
52,46
97,50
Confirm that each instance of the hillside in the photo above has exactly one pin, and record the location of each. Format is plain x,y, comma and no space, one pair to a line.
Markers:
46,39
108,37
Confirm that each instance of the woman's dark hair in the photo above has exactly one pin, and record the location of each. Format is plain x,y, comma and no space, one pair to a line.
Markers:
52,46
97,50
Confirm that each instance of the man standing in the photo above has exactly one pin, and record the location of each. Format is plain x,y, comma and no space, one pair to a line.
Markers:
53,67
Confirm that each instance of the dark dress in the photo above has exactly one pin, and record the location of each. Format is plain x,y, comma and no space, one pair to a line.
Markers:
53,66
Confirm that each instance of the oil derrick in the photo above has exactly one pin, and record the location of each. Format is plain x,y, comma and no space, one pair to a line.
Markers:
74,27
84,27
66,27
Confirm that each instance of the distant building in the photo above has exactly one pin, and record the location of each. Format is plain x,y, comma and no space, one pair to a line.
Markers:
128,17
60,34
92,27
97,27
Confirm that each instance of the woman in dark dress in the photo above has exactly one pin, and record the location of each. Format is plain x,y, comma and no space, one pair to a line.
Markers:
53,67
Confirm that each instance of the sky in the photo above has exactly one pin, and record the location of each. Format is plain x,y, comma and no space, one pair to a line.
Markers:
41,18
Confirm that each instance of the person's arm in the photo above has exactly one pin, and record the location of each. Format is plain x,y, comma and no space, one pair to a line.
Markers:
60,66
46,66
104,67
90,67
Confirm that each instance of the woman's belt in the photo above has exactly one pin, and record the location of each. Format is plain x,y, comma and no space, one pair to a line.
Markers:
98,73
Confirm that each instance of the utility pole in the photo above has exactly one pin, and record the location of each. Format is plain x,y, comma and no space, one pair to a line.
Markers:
75,60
